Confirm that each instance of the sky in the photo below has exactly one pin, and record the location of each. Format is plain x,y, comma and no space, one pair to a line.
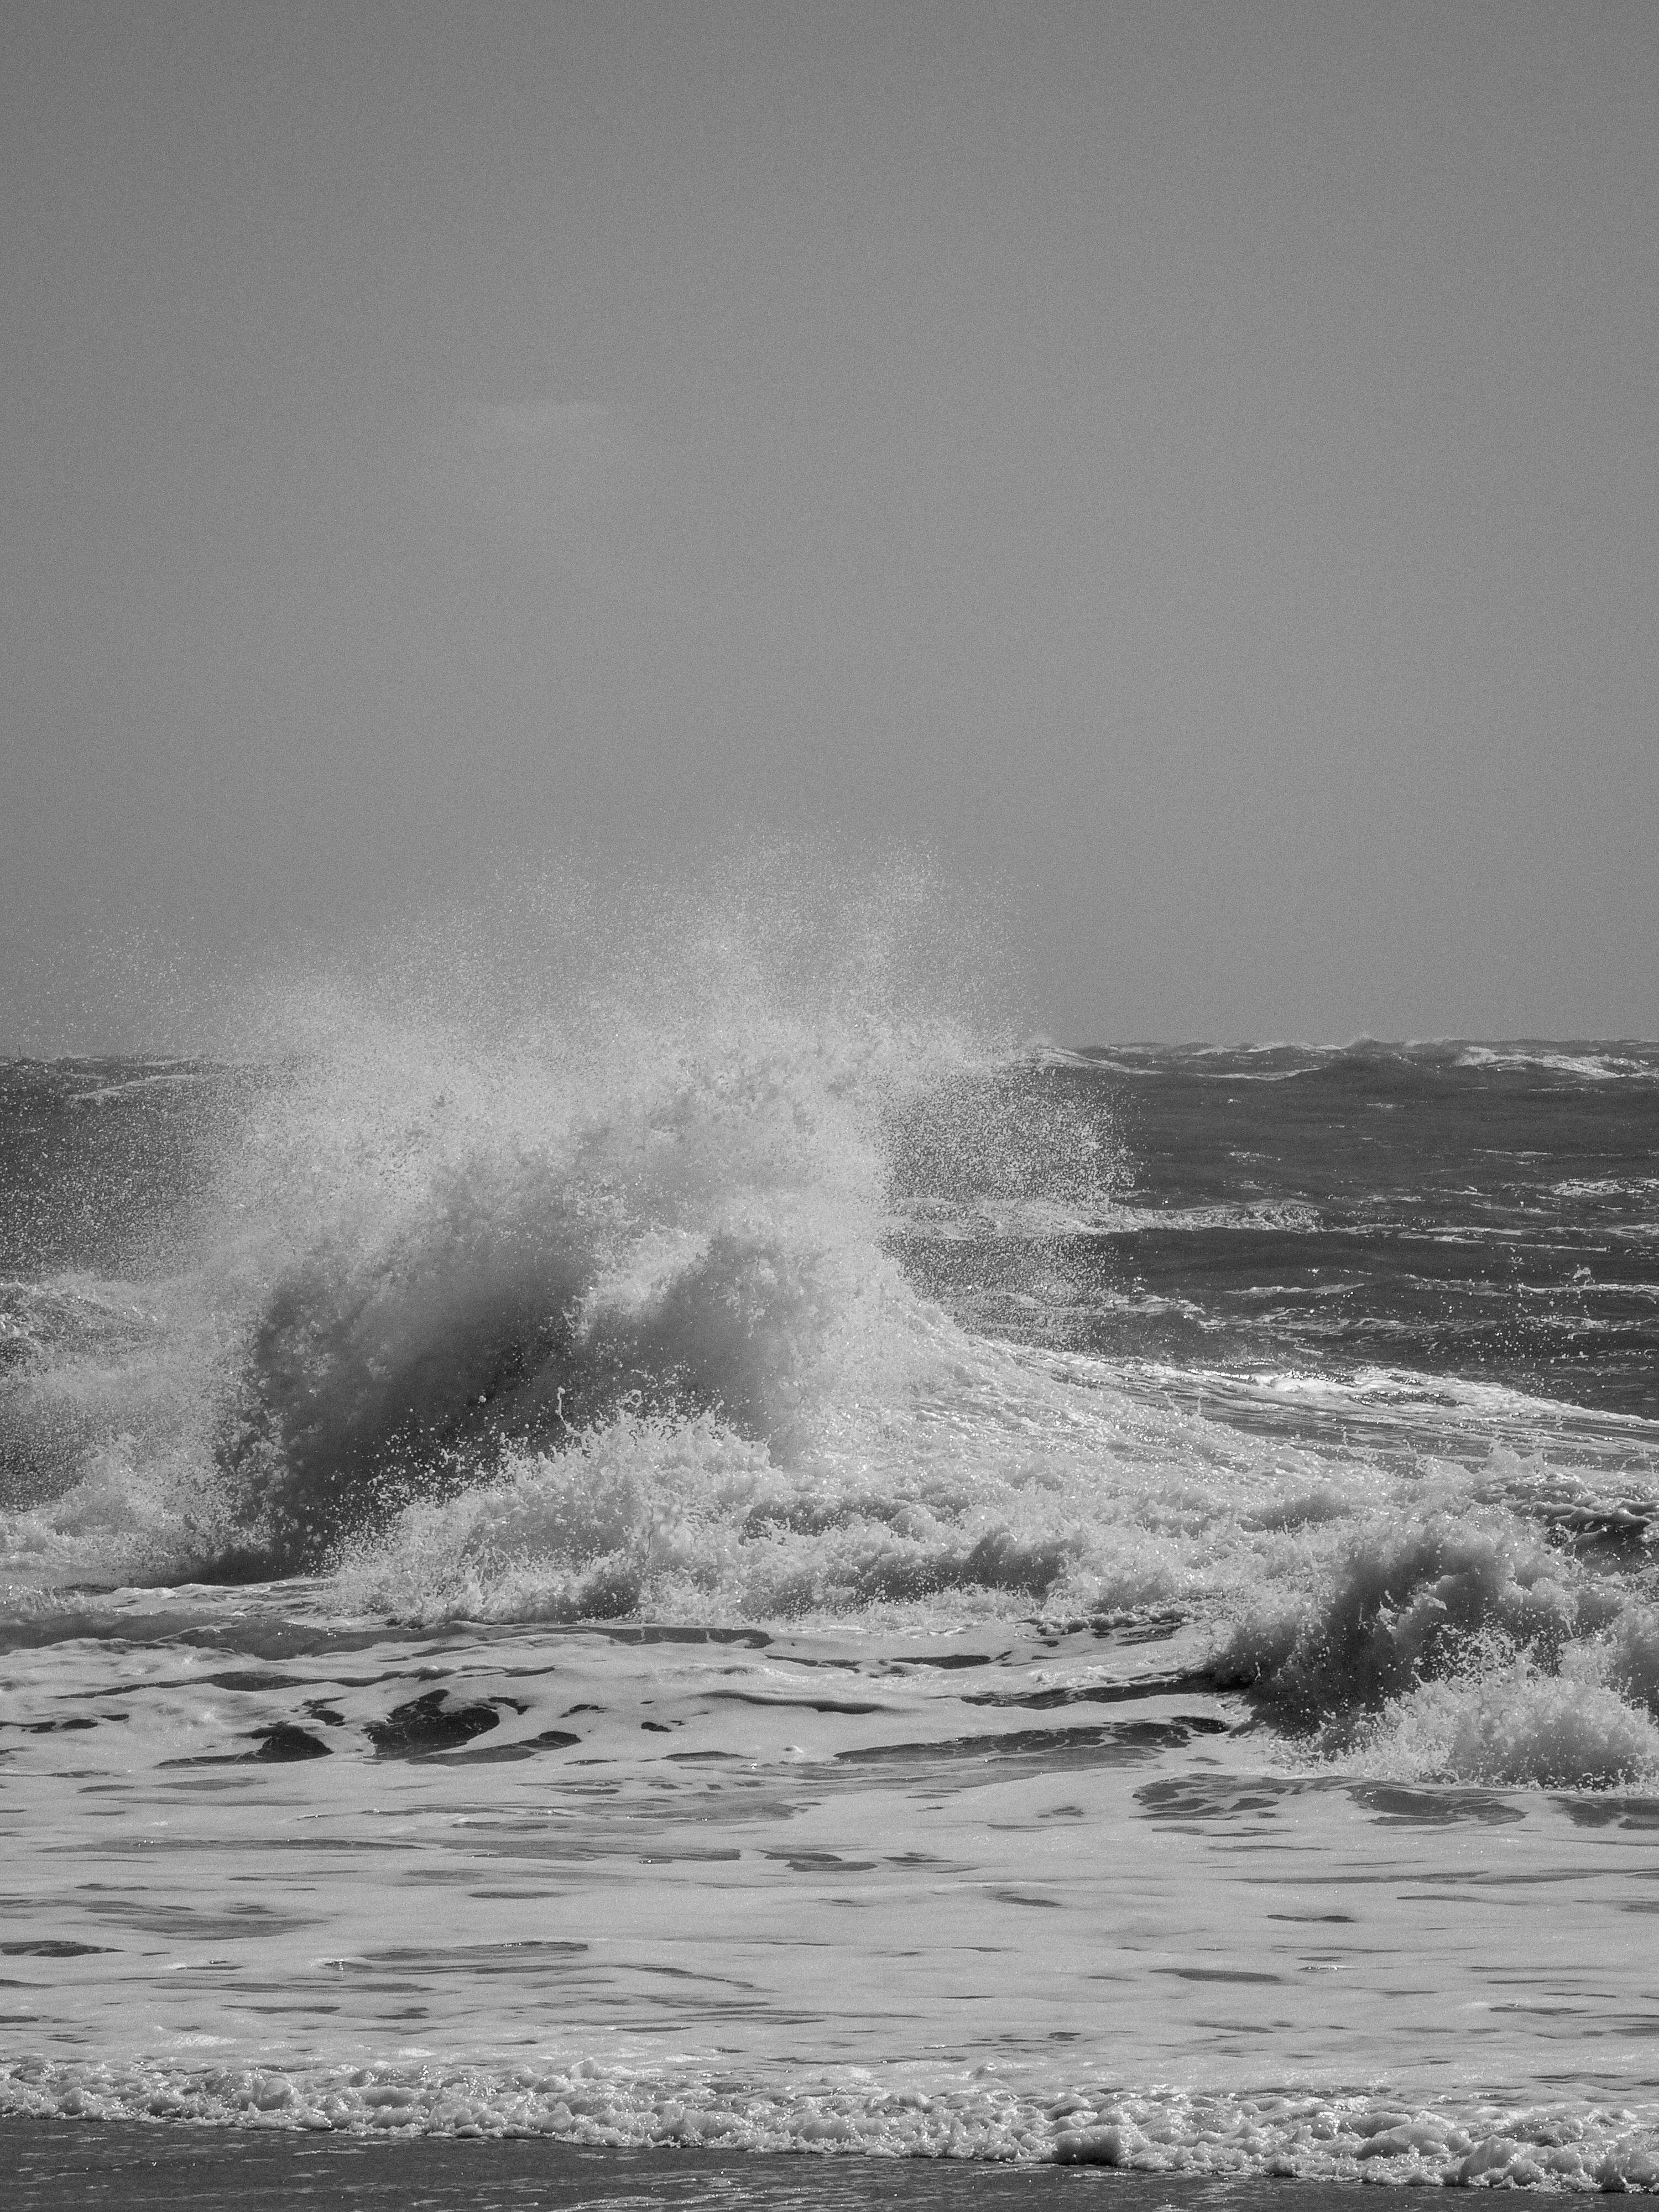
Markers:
1193,469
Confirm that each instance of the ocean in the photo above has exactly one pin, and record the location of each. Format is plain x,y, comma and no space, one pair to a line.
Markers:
764,1569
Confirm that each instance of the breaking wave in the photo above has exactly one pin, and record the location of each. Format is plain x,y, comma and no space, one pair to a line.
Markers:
563,1266
473,1210
1460,1647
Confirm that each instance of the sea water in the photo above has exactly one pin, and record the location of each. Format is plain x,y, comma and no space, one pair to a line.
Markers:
694,1546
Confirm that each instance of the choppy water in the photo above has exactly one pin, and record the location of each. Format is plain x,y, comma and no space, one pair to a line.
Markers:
719,1559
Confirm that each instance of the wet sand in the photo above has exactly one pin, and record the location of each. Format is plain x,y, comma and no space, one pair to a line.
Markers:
59,2165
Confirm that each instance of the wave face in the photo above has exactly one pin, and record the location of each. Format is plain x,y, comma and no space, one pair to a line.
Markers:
686,1383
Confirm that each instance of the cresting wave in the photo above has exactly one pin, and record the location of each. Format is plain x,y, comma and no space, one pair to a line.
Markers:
456,1218
584,1283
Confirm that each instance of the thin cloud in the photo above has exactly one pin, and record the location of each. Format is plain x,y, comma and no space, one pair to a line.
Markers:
537,464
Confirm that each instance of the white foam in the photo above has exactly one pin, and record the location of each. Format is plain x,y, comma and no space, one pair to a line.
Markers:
903,2112
1606,1067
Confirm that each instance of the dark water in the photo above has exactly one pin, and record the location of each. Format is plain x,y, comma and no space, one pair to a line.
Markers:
1489,1212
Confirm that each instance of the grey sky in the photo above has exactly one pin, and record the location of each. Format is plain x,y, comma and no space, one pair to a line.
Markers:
1195,466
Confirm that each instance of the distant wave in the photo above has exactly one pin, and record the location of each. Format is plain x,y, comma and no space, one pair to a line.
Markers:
1607,1065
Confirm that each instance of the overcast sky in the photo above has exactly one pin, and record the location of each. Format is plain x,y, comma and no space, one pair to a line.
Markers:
1196,467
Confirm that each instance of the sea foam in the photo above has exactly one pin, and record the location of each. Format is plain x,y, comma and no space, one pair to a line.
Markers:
903,2112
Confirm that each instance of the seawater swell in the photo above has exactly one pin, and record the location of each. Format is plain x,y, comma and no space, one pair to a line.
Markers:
643,1311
